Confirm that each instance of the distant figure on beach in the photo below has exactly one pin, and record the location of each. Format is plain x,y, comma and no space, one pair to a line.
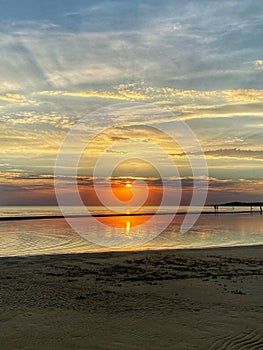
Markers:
216,208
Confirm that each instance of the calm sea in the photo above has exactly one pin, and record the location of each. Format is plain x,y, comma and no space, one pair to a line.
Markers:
55,236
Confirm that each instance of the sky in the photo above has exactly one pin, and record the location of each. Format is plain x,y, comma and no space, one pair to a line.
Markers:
61,61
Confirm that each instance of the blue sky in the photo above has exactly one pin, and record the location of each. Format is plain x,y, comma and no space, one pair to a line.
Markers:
202,60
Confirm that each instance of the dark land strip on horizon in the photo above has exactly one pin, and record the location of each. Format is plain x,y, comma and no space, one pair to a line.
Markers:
48,217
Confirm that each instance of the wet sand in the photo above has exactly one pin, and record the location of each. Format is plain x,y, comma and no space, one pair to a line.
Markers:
177,299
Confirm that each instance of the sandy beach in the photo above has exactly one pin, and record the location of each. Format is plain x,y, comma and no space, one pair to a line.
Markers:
176,299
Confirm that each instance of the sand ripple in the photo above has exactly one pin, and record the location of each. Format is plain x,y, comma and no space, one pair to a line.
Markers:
246,340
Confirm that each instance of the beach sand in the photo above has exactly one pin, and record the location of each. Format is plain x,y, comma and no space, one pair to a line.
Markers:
176,299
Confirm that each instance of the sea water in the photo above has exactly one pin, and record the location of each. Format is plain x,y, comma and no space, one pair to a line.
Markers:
56,236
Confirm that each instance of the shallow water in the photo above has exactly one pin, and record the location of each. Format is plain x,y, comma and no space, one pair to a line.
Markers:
54,236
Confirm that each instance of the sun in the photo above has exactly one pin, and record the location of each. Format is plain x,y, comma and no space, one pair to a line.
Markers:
122,189
128,184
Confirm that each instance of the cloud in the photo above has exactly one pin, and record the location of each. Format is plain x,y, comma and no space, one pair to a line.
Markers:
125,95
131,92
259,64
147,43
17,98
243,95
28,189
235,153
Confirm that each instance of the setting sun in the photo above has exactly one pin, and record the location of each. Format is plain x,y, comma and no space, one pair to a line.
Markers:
123,190
128,184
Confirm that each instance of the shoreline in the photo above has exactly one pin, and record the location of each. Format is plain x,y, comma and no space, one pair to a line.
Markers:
99,254
49,217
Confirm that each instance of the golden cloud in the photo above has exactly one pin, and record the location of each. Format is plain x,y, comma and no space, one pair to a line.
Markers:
243,95
16,98
158,95
120,94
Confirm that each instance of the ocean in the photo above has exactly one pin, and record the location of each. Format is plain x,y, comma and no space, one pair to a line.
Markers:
56,236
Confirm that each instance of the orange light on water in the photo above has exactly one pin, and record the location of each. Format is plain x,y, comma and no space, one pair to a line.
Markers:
128,227
127,223
129,189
